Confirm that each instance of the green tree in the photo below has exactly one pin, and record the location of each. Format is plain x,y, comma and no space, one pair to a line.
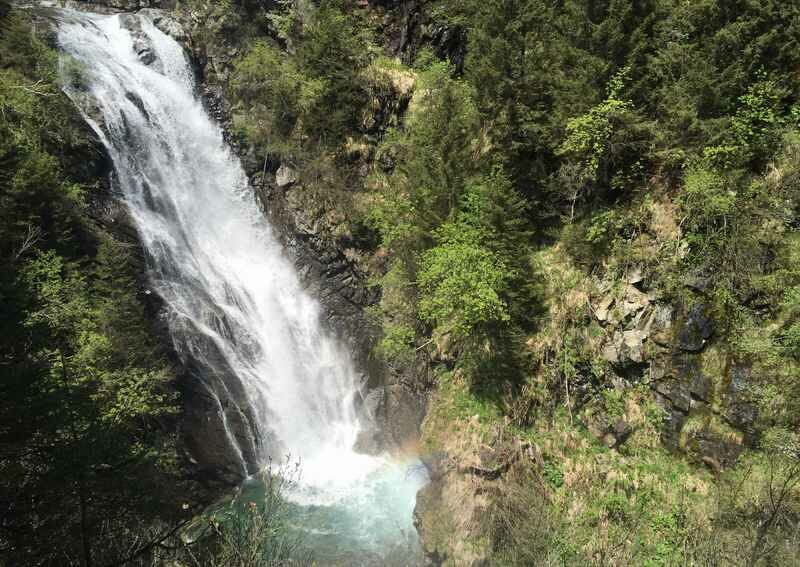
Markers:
604,148
88,463
461,283
474,284
433,154
308,90
528,75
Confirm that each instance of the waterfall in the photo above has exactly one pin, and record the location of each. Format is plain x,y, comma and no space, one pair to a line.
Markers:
237,307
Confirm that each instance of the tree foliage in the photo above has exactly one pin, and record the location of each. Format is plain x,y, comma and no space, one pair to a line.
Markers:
88,455
304,86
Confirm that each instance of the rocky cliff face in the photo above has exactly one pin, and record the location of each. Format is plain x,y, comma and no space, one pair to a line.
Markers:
671,348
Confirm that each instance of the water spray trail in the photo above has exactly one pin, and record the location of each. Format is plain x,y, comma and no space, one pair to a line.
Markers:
212,256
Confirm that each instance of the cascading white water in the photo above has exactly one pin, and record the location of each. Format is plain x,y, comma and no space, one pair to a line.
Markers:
213,258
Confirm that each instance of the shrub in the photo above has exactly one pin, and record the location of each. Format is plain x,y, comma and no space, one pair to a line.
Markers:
462,283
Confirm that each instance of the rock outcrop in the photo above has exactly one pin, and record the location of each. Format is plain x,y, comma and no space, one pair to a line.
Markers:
452,510
669,347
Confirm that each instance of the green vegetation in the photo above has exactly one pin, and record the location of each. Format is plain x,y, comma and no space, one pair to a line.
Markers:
517,206
249,532
314,91
574,144
89,463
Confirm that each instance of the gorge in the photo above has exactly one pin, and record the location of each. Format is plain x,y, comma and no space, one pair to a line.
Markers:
399,282
281,386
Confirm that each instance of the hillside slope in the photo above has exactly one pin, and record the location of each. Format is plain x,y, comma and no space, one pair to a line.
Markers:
581,219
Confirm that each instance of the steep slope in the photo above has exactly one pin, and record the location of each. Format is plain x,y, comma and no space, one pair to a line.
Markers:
582,228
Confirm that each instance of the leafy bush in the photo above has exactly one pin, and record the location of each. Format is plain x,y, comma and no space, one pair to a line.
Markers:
461,283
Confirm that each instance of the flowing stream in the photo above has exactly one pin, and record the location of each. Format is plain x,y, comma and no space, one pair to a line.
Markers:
237,307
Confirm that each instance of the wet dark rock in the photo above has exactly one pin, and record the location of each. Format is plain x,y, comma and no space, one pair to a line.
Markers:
697,328
699,281
137,102
218,427
144,52
676,392
741,412
217,107
687,369
718,454
212,455
141,43
673,423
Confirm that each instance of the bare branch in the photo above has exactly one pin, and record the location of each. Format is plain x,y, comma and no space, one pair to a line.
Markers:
31,238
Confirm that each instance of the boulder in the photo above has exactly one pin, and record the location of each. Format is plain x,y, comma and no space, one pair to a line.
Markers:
612,349
697,328
633,345
286,176
633,301
626,304
601,312
141,43
659,324
625,348
165,23
617,434
676,392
